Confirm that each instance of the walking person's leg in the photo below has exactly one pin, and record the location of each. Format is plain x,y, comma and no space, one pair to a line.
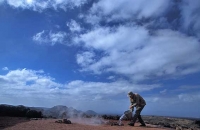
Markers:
141,121
136,115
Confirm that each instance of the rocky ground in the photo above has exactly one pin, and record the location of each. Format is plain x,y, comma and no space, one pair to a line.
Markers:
174,123
153,123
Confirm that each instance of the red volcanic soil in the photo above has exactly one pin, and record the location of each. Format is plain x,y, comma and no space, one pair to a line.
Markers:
16,123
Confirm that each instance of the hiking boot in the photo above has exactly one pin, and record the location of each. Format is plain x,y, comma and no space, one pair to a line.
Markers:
143,125
131,124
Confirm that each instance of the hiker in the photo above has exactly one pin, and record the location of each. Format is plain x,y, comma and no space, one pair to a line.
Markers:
138,102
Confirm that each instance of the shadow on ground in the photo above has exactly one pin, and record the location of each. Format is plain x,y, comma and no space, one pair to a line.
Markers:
11,121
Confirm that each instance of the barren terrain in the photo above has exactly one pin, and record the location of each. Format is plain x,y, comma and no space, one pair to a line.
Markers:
16,123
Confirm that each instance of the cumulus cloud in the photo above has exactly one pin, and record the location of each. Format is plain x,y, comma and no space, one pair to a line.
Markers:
29,84
36,84
38,5
123,10
23,82
74,26
50,37
132,50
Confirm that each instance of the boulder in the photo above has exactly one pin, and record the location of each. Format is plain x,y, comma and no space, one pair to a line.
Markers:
66,121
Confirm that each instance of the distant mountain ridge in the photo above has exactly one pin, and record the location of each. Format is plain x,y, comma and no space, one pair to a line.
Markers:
61,111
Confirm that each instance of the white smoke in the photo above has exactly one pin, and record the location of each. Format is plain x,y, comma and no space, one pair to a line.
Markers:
89,121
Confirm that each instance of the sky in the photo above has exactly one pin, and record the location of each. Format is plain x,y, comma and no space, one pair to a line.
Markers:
88,54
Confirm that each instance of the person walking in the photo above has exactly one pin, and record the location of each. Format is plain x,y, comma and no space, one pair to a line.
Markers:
138,102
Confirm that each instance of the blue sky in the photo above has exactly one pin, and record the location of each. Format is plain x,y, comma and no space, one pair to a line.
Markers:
88,54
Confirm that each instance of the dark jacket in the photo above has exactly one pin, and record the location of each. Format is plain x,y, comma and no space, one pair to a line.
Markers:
137,101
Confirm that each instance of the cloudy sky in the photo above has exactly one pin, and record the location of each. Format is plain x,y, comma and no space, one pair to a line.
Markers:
88,54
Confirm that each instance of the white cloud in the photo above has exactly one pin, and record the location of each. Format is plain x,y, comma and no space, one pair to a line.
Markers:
27,83
92,18
131,50
172,53
39,37
74,26
40,89
85,59
126,9
190,16
111,77
106,38
32,85
106,89
5,68
38,5
28,4
58,37
50,37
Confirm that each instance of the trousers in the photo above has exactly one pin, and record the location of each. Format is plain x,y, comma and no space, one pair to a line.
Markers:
138,116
